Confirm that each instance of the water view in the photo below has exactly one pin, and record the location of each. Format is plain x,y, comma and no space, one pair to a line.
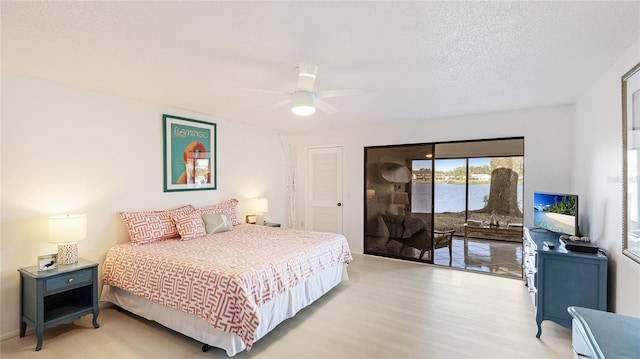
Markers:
451,197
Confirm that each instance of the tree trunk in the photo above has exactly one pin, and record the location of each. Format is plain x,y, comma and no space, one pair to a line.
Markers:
503,193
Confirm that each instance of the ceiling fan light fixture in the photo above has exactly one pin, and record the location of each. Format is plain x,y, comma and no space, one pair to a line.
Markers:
303,110
303,103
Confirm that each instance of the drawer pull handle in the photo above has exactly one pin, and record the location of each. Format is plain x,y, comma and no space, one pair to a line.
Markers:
70,280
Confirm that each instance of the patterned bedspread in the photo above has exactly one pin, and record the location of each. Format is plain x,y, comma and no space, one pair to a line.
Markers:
224,278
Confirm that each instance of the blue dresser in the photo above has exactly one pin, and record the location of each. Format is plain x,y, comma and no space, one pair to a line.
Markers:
559,279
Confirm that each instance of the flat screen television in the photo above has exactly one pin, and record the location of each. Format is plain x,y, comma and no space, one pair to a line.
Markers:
556,212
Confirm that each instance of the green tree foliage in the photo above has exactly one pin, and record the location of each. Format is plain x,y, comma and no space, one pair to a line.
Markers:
567,205
478,170
461,171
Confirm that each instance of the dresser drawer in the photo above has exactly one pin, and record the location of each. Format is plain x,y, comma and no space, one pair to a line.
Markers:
68,280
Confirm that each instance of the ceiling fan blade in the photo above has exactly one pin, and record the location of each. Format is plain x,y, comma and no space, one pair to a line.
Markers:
343,92
276,105
265,91
306,77
325,106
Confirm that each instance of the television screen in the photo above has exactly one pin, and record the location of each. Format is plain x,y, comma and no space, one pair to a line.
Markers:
556,212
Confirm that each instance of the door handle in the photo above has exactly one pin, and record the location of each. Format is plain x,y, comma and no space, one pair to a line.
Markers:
339,204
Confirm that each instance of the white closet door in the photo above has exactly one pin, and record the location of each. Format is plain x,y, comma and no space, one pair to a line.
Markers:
323,210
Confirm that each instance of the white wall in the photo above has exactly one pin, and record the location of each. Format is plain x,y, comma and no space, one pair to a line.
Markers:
597,178
547,137
66,149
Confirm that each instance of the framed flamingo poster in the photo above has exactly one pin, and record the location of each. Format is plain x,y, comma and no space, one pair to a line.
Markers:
189,154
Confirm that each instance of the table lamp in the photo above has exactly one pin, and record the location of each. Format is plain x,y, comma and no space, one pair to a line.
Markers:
66,231
401,199
260,207
371,193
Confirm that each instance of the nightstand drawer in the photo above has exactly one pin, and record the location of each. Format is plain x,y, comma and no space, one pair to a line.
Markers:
72,279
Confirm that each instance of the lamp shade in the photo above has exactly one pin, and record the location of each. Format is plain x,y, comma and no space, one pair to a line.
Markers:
395,173
400,198
67,228
260,205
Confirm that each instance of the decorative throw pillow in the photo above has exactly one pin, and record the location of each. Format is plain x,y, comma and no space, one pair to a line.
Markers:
149,226
167,219
190,226
142,227
217,222
228,206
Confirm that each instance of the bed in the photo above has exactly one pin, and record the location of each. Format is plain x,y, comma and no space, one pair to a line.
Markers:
225,289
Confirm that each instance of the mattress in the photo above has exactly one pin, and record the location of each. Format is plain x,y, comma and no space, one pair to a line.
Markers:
230,281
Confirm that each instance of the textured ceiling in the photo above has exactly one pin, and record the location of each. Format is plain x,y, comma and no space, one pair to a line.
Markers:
423,59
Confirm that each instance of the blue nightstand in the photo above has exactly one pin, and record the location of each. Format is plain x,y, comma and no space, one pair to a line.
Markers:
57,296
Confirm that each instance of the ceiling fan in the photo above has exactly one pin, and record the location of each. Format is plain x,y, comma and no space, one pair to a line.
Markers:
304,100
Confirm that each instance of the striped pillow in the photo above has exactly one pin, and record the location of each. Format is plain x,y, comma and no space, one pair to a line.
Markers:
190,226
150,226
228,206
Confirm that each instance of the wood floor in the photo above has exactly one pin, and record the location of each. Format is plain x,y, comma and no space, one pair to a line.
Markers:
388,309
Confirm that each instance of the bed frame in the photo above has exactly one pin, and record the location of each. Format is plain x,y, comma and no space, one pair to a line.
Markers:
272,313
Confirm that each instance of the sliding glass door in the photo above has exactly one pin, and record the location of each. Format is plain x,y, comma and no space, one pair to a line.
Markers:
420,198
399,201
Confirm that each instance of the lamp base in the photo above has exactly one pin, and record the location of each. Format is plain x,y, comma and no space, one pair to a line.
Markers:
68,253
